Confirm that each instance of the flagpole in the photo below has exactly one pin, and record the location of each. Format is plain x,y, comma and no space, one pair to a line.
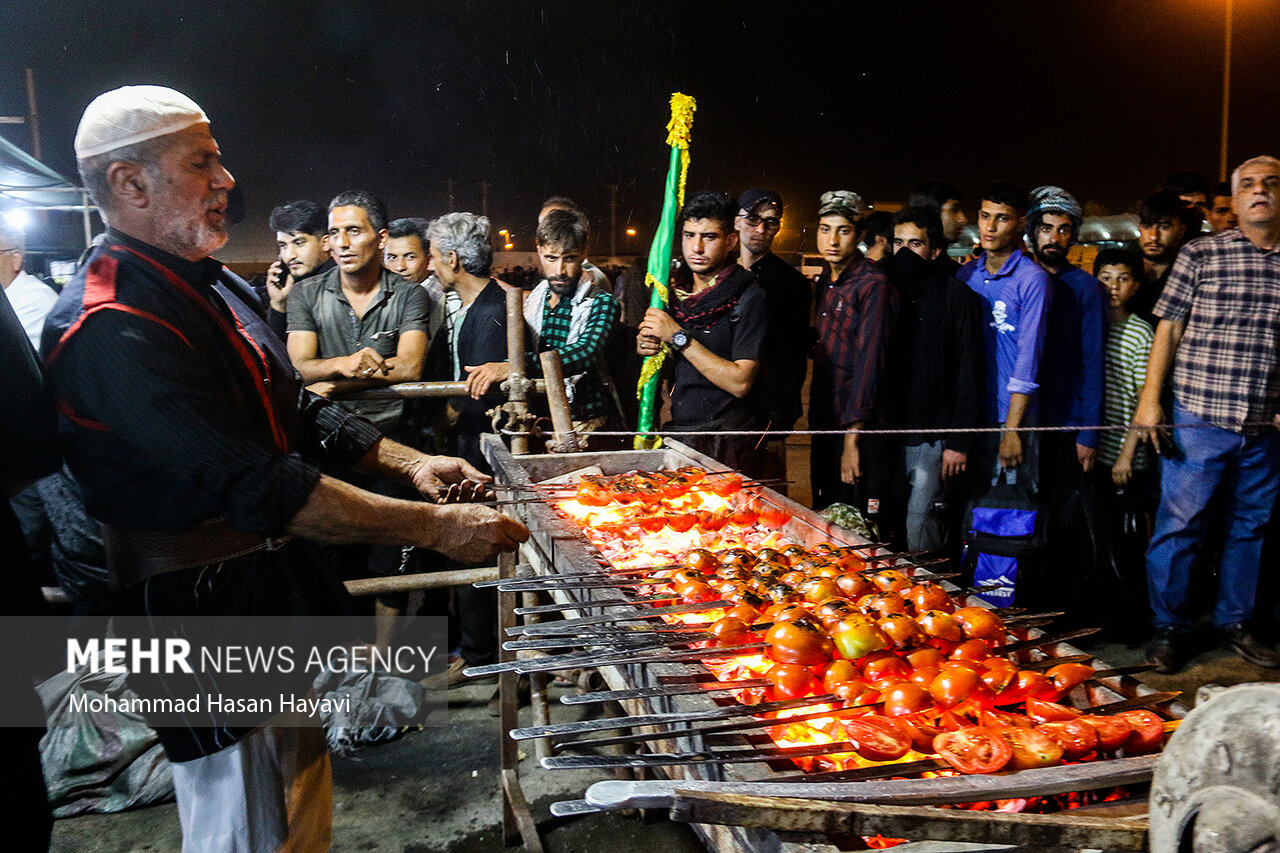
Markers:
659,269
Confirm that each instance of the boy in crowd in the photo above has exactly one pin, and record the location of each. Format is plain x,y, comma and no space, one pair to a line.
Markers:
1125,480
856,308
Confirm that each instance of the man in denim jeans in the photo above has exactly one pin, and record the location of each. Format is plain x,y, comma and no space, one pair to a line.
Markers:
1219,322
933,374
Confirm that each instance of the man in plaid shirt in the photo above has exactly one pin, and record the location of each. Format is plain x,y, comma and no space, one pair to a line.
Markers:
569,312
1219,326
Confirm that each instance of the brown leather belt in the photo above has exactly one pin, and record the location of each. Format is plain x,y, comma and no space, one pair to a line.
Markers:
135,555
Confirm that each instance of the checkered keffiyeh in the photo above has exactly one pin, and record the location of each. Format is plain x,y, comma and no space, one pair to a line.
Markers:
1227,291
579,328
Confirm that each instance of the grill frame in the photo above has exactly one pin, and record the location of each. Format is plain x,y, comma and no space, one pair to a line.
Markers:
556,545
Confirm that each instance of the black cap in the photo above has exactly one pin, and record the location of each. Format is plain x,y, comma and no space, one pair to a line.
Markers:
753,198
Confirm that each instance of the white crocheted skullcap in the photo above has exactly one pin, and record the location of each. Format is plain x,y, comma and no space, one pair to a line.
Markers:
133,114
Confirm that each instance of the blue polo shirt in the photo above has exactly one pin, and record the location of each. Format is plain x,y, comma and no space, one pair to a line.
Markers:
1016,300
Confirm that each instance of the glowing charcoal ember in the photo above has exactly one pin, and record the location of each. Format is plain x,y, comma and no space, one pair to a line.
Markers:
713,537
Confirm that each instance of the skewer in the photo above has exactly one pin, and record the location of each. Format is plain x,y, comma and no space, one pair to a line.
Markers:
719,729
584,605
1136,702
552,628
1050,663
598,659
614,639
549,584
602,574
663,690
1047,640
608,723
734,756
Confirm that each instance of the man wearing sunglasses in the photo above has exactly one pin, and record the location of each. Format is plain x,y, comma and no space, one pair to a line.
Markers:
788,297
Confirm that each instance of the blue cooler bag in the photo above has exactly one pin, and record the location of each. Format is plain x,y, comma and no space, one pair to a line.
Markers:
1004,525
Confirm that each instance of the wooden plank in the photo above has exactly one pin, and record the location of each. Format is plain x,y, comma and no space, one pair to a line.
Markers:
423,580
917,823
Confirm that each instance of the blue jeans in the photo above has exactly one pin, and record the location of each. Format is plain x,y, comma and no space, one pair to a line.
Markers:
1248,469
926,528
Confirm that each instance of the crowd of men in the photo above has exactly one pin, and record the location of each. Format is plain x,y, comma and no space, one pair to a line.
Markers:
210,425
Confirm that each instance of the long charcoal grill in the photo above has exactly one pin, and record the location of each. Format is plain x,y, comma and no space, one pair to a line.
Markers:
557,546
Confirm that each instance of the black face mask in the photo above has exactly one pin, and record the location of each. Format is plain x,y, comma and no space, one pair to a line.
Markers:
906,267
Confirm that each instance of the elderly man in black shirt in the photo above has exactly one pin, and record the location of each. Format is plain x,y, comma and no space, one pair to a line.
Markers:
200,451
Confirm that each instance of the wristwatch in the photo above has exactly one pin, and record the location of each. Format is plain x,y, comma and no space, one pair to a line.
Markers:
679,340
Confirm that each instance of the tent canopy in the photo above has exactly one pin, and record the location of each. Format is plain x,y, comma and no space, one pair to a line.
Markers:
25,183
28,184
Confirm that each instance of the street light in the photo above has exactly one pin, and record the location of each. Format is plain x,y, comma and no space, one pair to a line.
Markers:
1226,93
631,232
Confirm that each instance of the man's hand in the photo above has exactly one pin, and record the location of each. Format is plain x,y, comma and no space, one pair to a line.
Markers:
481,377
363,364
648,345
1086,455
954,463
473,533
658,324
850,460
1122,471
435,473
279,284
324,389
1010,449
1148,416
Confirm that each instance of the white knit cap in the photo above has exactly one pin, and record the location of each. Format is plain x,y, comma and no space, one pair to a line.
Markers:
133,114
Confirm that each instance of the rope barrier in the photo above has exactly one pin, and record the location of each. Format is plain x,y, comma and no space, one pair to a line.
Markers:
920,431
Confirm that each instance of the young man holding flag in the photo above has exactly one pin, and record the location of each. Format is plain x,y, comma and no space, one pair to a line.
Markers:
715,331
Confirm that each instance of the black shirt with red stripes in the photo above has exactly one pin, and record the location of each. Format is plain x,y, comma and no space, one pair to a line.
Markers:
177,403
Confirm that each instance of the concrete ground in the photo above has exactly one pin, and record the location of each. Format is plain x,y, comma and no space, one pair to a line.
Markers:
432,791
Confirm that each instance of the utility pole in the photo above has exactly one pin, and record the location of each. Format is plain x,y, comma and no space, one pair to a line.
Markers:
484,198
1226,95
448,191
613,219
33,117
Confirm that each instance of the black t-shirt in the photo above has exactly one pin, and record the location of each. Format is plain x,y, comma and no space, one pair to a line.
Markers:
786,351
735,334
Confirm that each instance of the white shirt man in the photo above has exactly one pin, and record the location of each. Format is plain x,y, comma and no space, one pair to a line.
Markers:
30,297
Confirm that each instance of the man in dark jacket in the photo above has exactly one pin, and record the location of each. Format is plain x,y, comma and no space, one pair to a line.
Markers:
932,372
469,326
27,451
716,330
789,297
855,312
468,329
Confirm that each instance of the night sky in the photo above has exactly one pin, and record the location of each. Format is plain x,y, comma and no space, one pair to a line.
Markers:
1104,97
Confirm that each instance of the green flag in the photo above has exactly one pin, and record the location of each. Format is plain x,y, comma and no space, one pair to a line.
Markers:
659,269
